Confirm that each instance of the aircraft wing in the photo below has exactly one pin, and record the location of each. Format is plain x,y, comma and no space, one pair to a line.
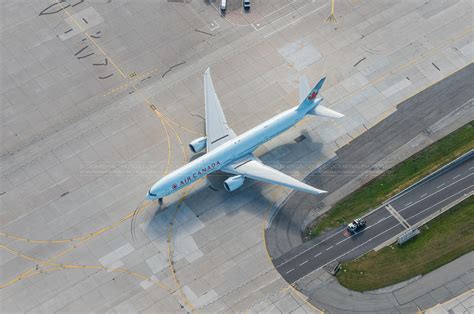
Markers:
252,168
217,130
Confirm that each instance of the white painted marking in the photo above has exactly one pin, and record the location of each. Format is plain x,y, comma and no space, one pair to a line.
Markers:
342,255
280,8
471,168
318,254
303,263
409,203
397,216
355,248
371,226
457,176
329,247
290,270
462,191
214,26
447,186
294,21
311,247
341,241
441,185
424,195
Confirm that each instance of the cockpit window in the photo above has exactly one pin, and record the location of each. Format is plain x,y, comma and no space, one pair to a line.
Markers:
151,194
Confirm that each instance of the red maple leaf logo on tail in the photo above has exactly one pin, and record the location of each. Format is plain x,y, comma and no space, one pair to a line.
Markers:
312,96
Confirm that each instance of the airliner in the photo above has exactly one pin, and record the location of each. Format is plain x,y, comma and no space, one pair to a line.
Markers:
233,154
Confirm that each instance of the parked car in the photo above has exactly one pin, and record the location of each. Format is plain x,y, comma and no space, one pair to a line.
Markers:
246,4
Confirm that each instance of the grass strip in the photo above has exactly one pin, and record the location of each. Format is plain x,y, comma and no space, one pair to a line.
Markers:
396,179
441,241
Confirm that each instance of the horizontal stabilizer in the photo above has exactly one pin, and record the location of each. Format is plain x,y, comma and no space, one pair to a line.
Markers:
322,111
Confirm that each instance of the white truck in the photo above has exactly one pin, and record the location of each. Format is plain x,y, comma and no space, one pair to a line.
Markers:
356,225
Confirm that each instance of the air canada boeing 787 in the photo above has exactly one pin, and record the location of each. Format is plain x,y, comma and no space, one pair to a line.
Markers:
232,153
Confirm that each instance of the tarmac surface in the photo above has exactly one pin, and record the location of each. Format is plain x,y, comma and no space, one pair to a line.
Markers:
420,293
100,98
384,223
367,156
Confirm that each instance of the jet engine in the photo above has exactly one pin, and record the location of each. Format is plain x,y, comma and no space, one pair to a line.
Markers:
198,145
233,183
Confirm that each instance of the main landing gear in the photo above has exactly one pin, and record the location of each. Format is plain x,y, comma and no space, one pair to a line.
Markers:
160,201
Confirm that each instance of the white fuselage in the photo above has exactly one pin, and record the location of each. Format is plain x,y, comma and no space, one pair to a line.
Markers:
227,152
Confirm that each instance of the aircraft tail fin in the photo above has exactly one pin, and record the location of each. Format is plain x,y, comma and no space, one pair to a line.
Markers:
308,96
309,102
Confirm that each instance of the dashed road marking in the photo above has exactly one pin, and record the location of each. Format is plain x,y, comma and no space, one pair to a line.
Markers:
329,247
341,241
290,270
371,226
303,263
456,176
318,254
423,195
441,185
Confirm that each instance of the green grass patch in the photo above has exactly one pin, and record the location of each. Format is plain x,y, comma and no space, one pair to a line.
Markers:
396,179
442,240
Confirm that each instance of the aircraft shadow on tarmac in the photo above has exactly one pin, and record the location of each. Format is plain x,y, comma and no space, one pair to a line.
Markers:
213,194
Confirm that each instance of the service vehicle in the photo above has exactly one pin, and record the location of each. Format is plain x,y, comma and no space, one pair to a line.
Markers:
356,225
247,4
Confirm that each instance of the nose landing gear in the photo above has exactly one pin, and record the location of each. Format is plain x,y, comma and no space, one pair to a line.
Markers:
160,201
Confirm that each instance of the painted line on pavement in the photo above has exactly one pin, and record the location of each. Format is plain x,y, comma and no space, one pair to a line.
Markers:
385,231
397,216
371,226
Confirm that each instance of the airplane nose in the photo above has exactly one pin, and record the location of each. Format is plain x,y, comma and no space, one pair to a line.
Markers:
151,196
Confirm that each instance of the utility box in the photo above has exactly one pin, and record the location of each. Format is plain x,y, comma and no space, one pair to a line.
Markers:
407,235
332,268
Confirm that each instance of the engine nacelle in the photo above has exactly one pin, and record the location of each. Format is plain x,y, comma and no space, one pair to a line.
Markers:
233,183
198,145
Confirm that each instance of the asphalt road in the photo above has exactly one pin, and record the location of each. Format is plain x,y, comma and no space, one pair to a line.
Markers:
382,224
413,117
